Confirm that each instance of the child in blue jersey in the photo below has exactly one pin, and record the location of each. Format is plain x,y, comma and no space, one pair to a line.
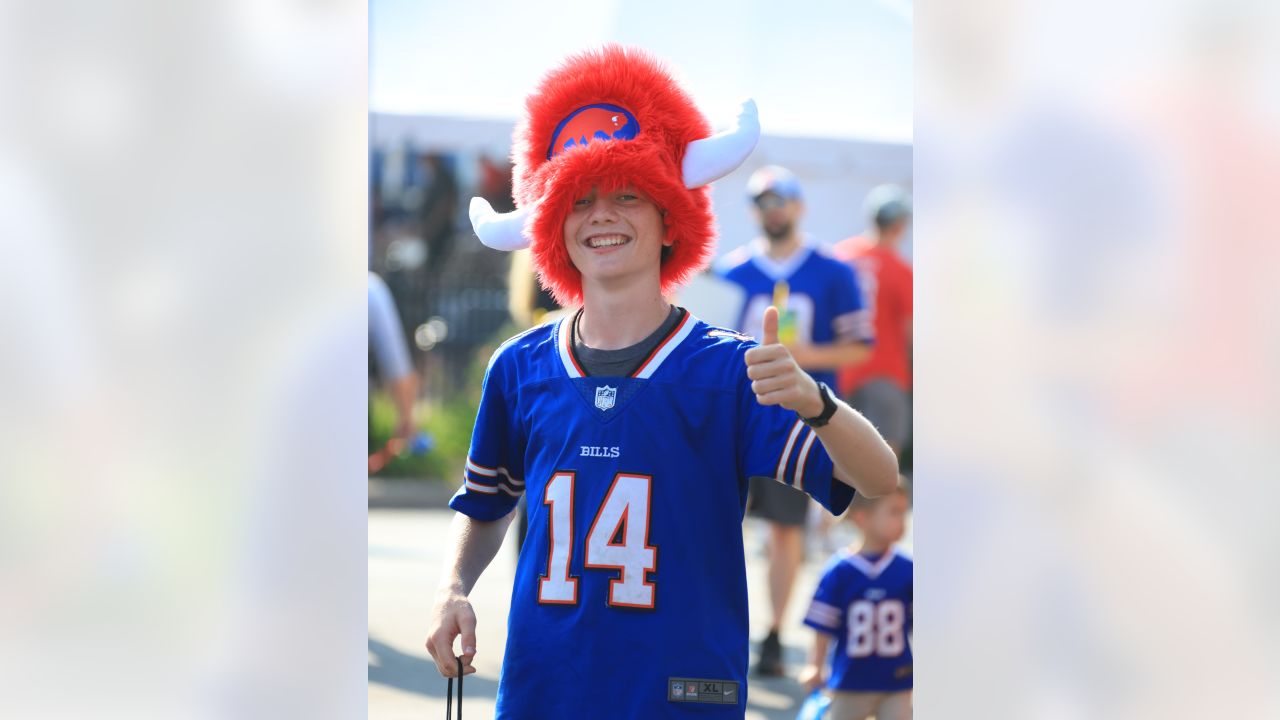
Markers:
630,426
864,602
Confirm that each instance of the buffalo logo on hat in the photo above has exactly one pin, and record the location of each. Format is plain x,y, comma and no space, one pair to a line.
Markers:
593,122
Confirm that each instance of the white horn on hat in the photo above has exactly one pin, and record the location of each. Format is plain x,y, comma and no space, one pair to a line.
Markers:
500,231
712,158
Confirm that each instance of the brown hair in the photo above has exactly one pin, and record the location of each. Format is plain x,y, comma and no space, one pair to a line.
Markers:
862,502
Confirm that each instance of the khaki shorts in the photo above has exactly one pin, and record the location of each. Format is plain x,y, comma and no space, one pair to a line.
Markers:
862,705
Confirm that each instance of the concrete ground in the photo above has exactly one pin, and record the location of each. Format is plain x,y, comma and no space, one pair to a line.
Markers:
405,557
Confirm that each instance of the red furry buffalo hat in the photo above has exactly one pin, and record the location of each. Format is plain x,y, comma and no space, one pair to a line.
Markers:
610,118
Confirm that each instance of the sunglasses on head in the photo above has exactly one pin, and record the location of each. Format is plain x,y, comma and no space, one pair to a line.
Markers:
770,201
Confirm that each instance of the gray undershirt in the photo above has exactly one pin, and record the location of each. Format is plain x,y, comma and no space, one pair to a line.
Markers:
624,361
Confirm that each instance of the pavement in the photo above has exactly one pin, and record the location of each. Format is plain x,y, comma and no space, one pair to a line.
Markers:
406,554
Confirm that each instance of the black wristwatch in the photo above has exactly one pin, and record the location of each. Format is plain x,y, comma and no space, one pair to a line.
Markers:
828,408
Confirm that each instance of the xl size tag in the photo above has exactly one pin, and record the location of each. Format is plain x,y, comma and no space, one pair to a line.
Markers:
701,690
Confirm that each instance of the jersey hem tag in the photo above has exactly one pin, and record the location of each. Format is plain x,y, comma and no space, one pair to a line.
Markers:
702,690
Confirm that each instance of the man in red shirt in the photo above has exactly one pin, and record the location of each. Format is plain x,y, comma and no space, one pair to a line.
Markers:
879,387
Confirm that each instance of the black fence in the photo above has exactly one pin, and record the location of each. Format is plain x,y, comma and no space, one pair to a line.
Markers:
450,290
452,311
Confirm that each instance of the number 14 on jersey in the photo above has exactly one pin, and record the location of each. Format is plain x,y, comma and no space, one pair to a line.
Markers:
618,540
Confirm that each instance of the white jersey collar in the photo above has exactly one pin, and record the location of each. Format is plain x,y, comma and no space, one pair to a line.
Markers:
779,270
564,340
872,570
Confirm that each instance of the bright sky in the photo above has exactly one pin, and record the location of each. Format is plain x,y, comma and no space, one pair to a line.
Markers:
838,69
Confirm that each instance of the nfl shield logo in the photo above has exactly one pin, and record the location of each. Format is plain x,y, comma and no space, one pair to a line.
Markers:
605,396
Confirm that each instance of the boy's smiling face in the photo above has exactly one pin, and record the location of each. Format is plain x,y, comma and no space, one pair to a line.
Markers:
612,235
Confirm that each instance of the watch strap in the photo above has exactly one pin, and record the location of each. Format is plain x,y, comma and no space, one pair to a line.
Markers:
828,408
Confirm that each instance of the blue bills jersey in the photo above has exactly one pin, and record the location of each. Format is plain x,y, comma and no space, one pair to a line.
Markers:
866,604
823,298
631,581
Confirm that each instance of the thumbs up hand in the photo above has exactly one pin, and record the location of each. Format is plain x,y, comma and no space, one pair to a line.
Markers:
776,379
770,326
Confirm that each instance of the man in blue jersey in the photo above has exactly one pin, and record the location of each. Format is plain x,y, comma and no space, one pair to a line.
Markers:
824,324
630,425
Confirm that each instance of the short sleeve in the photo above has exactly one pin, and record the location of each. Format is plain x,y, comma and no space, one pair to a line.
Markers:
724,265
721,267
851,320
826,609
493,479
904,292
386,335
774,443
